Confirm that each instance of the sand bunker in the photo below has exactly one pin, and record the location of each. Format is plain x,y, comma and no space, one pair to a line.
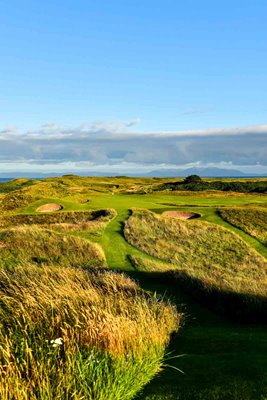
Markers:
181,214
84,201
51,207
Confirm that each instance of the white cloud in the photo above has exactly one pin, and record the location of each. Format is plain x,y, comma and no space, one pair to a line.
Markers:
8,129
114,126
115,144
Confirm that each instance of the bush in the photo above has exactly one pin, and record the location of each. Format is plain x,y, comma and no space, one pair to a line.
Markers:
192,179
225,186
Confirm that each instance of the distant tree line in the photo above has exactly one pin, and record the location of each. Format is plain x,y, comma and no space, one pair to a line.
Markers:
195,183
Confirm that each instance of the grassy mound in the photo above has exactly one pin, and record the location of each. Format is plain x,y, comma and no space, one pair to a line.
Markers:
16,184
92,222
252,220
16,200
68,334
209,260
33,244
71,218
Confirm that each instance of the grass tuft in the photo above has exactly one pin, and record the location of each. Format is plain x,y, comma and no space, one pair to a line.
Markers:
68,334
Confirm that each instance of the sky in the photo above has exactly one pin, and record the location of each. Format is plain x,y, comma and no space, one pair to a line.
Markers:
133,85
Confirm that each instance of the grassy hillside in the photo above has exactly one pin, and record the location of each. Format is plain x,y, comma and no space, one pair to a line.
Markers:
252,220
24,245
93,222
210,260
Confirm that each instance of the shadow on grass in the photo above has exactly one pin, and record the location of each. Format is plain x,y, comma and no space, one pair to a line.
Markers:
238,307
224,359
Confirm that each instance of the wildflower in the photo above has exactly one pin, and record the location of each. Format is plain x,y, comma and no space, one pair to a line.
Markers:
56,342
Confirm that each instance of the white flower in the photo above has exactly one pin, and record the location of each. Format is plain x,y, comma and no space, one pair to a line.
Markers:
56,342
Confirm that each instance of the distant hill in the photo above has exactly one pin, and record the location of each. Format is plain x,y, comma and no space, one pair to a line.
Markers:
160,173
203,172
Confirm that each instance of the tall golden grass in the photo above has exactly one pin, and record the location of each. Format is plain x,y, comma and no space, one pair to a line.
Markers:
70,334
23,245
252,220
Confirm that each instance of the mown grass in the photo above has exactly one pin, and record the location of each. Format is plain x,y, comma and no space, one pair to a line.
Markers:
252,220
68,334
222,359
117,192
210,261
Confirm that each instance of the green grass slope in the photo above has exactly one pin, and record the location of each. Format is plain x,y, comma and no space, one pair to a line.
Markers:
252,220
23,245
211,261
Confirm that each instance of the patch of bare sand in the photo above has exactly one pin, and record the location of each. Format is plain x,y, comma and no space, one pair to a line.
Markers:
51,207
184,215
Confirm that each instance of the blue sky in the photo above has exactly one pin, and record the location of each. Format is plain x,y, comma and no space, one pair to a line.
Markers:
140,67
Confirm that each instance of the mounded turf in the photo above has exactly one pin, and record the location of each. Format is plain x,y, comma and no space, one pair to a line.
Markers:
24,245
252,220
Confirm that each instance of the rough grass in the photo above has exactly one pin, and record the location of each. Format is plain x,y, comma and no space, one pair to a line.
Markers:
68,334
22,245
93,222
252,220
16,200
144,264
207,258
16,184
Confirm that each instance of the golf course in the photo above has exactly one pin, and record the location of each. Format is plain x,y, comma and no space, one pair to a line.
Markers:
131,288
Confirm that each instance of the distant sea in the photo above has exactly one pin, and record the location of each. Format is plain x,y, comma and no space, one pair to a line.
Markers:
5,179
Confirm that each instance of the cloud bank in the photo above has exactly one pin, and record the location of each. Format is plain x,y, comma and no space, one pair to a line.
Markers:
109,145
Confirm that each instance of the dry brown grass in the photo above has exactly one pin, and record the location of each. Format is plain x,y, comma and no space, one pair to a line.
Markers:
104,310
112,335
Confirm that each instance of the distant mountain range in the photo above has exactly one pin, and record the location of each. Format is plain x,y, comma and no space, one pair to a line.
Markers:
161,173
203,172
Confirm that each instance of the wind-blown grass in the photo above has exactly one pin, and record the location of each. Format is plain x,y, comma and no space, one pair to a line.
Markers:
68,334
23,245
252,220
